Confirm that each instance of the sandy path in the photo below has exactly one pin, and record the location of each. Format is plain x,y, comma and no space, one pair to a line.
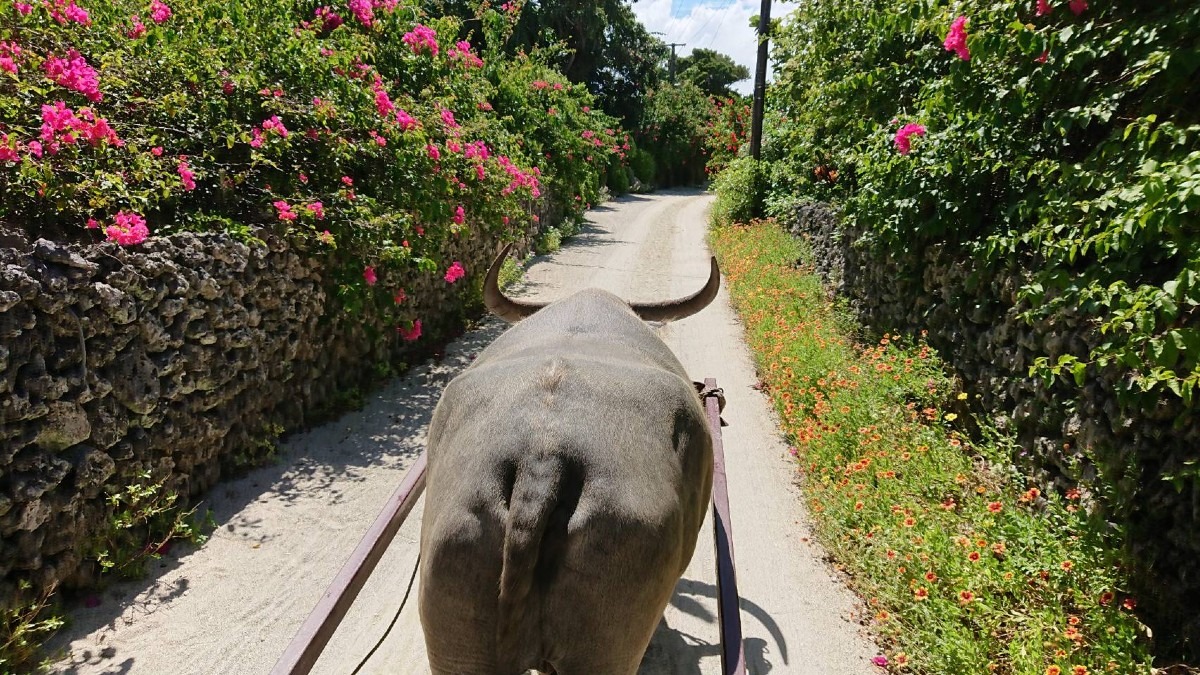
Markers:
232,605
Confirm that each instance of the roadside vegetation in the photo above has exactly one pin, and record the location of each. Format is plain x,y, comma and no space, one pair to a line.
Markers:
964,564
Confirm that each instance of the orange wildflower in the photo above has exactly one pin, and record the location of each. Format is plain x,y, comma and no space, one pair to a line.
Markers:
965,597
995,507
1053,670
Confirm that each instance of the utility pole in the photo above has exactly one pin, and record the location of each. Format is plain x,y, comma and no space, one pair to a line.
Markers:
760,81
673,45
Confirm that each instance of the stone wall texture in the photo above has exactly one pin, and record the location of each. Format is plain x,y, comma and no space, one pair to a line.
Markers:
182,357
1068,435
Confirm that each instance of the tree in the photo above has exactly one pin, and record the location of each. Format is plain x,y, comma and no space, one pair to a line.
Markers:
599,43
712,71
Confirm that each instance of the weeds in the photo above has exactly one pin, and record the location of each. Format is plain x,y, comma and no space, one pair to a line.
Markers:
23,629
144,521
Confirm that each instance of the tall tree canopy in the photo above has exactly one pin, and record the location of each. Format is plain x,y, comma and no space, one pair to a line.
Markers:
712,71
604,46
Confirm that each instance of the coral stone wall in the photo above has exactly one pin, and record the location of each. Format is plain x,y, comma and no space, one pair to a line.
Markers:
179,357
1069,435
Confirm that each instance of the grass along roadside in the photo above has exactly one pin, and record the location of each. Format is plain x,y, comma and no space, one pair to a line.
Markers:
966,566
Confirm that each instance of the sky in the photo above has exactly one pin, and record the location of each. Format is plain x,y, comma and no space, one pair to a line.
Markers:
720,25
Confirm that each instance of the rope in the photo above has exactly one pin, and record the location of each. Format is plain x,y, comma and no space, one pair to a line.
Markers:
395,618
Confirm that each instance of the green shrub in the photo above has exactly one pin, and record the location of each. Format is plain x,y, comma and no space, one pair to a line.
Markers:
739,191
644,166
618,177
1059,140
1069,142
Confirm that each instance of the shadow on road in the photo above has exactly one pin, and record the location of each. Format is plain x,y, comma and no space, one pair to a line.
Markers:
674,652
311,463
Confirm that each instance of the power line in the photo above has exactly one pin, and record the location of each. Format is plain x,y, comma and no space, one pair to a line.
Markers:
721,9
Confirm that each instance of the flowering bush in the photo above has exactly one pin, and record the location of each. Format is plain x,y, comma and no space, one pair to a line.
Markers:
728,129
674,129
360,128
1061,144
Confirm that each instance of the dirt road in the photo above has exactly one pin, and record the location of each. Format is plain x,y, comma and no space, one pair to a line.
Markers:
232,605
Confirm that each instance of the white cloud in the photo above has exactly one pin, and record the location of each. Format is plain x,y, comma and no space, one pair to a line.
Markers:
721,25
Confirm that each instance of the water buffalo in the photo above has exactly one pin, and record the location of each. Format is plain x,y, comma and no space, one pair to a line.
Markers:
570,468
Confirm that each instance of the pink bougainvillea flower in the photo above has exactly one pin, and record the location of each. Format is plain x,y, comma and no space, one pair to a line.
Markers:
128,230
880,661
74,73
35,148
275,125
7,152
363,11
326,237
369,275
422,38
1078,6
903,137
329,18
461,52
159,11
92,224
400,297
156,151
136,28
956,39
23,7
405,121
9,52
347,180
410,334
1044,8
62,11
317,209
284,210
477,150
95,130
186,175
433,151
459,215
455,272
448,119
383,103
